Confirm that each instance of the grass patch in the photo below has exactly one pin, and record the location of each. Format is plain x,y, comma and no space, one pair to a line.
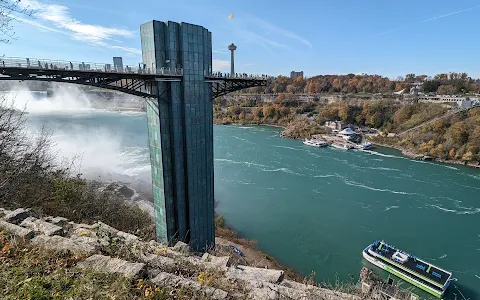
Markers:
33,273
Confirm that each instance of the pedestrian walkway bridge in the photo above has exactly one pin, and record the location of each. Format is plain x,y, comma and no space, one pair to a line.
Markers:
136,80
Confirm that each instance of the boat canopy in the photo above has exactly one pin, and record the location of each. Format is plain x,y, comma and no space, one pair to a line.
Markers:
400,257
347,131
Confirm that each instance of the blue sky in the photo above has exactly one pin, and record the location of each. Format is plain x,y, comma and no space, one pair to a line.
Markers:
384,37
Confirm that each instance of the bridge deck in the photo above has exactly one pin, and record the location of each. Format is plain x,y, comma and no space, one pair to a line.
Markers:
139,81
58,65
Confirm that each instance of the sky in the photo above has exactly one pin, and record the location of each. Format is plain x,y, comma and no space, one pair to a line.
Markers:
389,38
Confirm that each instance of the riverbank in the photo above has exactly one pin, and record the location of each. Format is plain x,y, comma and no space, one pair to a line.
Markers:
298,130
293,133
417,156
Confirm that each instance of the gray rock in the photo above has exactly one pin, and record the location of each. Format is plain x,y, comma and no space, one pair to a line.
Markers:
90,237
91,241
16,230
3,212
17,215
157,261
169,280
60,243
84,226
155,247
296,291
175,254
253,275
313,291
182,248
59,221
42,226
84,232
129,238
216,261
106,264
104,228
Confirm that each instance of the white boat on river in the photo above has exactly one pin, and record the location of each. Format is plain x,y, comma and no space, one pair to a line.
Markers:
342,146
315,143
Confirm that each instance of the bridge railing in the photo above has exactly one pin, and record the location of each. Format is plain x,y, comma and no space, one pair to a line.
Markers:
222,75
48,64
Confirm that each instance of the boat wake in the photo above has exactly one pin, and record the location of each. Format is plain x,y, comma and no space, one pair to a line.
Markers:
325,176
391,207
381,154
324,259
450,167
474,176
285,170
383,169
441,257
434,164
353,183
246,163
286,147
466,211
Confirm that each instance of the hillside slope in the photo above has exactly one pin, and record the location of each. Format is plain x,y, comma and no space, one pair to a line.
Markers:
53,258
454,139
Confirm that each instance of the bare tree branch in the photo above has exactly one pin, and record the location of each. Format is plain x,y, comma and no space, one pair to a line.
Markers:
8,10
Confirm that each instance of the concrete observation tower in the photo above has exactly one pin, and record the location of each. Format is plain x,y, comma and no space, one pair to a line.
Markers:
232,48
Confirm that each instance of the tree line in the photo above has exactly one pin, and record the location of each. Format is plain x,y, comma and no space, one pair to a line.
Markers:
445,83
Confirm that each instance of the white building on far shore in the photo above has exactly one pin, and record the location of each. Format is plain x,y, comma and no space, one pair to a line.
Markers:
347,133
335,125
463,102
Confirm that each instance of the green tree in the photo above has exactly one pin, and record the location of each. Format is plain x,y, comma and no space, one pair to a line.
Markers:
446,89
430,86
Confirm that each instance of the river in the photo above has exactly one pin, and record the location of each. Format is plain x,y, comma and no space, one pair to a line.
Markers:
312,209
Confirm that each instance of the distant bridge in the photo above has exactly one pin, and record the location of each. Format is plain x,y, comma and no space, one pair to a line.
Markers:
131,79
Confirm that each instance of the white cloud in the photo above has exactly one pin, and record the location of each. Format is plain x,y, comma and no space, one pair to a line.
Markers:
428,20
128,49
220,65
38,25
263,42
220,51
268,36
271,28
60,19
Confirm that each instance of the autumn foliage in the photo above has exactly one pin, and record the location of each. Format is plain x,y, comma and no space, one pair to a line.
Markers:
445,83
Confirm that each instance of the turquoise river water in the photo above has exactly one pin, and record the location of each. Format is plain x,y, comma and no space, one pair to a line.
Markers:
312,209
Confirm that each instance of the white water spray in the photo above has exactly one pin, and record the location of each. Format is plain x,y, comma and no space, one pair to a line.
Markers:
99,149
66,98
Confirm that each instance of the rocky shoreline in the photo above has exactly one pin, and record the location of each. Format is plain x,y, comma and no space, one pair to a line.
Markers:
416,156
220,273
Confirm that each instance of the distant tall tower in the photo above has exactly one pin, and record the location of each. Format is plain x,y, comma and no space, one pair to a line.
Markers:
232,48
